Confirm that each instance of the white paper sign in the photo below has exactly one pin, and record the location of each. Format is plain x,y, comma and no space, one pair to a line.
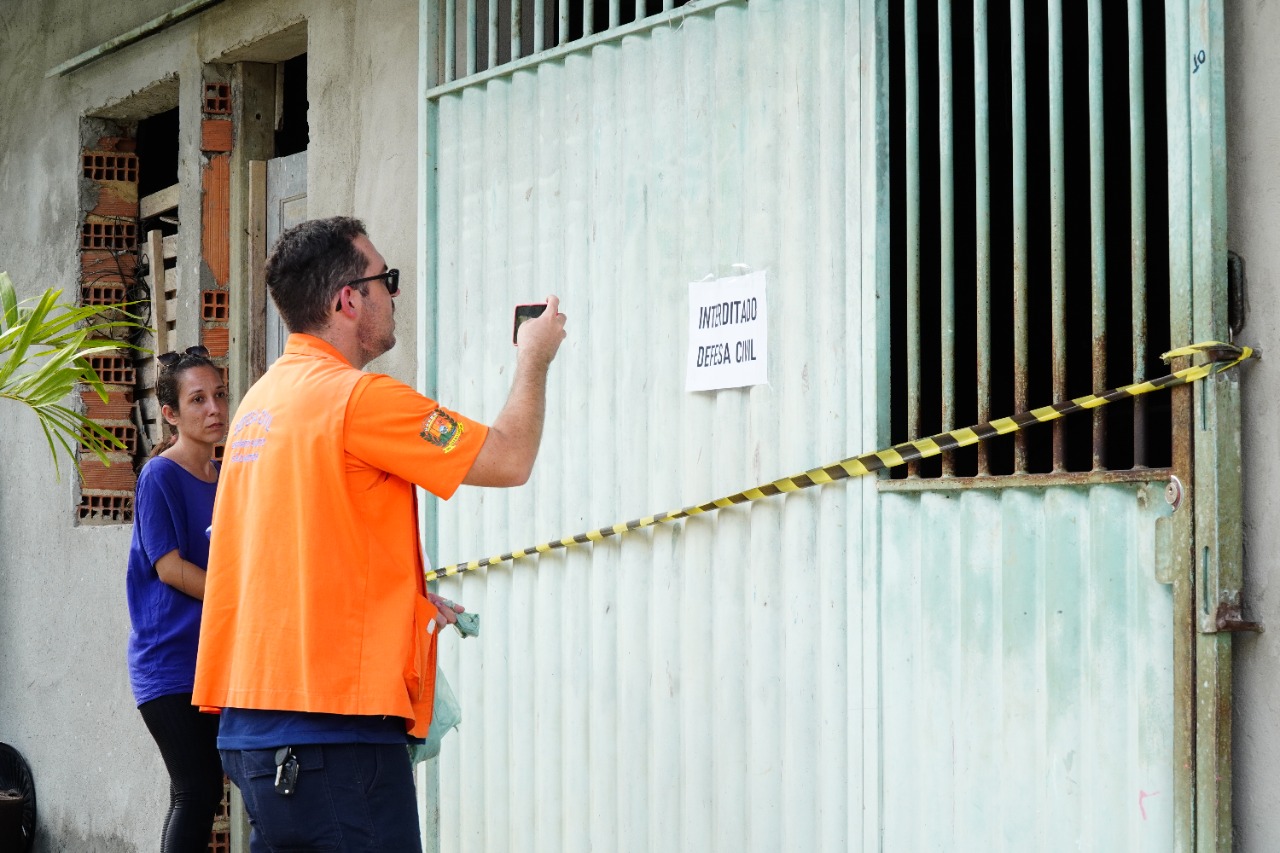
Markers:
728,333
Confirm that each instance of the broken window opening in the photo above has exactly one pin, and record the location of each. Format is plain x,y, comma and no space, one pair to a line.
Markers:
156,139
293,134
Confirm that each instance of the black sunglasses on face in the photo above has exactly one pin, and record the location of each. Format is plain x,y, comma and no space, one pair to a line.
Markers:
169,359
391,278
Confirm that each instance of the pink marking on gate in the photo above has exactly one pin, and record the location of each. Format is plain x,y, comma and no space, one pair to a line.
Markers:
1142,795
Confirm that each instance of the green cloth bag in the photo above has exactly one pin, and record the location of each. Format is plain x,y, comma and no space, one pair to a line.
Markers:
446,714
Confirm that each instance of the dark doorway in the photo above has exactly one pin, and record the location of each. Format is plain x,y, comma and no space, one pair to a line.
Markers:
157,141
292,131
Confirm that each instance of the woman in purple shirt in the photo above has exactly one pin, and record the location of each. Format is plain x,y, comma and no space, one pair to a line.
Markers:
165,586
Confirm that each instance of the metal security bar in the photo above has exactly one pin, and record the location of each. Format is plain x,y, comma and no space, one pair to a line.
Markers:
482,36
1016,277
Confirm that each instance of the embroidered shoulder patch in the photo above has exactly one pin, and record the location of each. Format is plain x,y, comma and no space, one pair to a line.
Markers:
441,429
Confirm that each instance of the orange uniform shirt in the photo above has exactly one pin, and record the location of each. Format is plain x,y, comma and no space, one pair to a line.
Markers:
314,598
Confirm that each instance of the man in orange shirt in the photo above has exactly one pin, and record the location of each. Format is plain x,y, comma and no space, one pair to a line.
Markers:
318,639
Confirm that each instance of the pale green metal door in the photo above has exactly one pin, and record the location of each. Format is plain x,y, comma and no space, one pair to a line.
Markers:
1053,634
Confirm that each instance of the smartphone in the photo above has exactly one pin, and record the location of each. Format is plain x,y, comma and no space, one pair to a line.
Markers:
526,312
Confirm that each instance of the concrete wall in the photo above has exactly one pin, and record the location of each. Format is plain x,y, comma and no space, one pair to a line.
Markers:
1253,146
65,701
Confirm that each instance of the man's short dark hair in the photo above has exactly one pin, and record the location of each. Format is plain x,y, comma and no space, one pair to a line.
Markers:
309,264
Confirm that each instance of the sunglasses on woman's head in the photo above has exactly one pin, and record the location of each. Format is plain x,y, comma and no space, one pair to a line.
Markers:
169,359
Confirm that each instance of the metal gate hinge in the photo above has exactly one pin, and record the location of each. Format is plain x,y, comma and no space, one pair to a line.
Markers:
1230,619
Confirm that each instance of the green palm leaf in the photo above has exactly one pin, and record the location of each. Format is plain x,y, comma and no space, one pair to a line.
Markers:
45,348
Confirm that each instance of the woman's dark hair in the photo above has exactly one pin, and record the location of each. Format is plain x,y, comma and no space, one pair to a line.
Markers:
169,369
309,264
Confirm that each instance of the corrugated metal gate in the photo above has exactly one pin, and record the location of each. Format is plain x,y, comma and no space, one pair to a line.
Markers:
684,688
835,669
1027,674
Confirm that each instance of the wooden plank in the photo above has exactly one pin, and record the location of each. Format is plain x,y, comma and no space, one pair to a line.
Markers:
158,202
253,106
156,281
257,274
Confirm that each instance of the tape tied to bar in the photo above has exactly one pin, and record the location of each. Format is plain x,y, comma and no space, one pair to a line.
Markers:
1221,357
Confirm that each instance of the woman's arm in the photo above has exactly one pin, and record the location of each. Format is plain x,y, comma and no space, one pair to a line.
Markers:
182,575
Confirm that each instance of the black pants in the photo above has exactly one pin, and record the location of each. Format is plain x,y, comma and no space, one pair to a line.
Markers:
188,742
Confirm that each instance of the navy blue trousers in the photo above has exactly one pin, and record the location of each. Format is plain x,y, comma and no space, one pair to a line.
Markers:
351,797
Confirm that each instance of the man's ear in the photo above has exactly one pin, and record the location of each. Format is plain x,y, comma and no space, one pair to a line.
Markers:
343,304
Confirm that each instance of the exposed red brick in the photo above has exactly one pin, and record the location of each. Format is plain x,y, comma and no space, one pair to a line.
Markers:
113,369
110,166
116,199
110,206
117,143
112,235
119,477
117,408
215,134
102,293
108,242
215,223
217,99
105,508
215,305
216,340
97,267
127,433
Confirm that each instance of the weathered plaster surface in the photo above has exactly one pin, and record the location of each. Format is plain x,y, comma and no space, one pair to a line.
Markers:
1253,116
64,692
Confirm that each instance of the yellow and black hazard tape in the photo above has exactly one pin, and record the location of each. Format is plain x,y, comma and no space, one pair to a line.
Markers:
1221,357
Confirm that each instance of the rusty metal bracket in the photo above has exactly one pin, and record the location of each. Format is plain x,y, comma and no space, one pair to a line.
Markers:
1230,619
1227,352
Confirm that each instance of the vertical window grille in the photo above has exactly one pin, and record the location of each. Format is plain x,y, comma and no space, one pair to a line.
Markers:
480,35
1029,232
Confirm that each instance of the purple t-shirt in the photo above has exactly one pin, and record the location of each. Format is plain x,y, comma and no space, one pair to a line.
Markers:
172,509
